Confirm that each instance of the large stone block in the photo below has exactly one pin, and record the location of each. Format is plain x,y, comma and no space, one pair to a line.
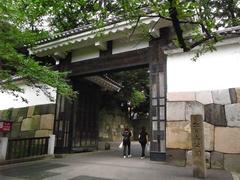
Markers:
217,160
232,162
27,134
47,121
26,124
233,114
44,109
181,96
14,115
215,114
227,140
23,112
233,95
204,97
238,94
176,157
36,122
20,119
221,97
1,114
178,135
208,136
6,114
190,162
176,111
42,133
15,132
193,108
30,111
29,124
51,108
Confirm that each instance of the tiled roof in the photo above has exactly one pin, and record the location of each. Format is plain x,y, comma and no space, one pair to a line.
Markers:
105,82
230,31
77,30
86,35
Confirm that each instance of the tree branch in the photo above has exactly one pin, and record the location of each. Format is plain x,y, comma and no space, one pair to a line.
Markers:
134,28
176,24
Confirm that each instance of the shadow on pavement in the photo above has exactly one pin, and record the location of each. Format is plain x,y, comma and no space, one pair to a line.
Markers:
32,171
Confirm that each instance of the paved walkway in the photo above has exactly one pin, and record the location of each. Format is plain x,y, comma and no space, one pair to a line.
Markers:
102,166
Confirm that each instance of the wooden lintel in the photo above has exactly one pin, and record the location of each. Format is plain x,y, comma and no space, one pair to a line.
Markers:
113,62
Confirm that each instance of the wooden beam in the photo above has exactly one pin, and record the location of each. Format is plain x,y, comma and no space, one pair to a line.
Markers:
113,62
108,51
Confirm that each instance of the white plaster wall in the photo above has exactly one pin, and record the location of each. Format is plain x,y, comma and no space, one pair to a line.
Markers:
85,54
119,46
123,45
10,101
217,70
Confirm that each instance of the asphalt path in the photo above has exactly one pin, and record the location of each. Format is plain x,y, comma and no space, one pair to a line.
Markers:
103,165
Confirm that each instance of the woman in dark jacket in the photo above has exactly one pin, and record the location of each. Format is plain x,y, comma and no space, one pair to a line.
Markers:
143,138
126,142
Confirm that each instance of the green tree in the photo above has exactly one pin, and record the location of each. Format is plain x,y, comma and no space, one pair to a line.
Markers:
28,19
134,96
202,17
16,31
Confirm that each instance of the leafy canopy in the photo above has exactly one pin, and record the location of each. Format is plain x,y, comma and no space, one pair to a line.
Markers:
26,21
18,29
200,18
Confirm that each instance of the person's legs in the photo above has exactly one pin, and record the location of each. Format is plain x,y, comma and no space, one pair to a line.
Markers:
143,149
129,149
124,150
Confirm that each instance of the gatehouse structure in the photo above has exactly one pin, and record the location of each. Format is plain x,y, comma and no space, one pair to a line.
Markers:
179,88
85,52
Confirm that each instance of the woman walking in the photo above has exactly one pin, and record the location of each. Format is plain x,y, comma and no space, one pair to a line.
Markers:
126,142
143,138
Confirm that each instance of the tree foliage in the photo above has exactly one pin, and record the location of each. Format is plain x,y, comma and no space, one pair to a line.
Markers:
202,17
135,92
26,21
198,19
17,29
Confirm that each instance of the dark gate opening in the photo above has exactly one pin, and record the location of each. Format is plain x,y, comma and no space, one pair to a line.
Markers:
127,108
85,117
75,124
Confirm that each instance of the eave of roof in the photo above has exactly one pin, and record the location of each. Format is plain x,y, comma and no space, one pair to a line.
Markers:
78,38
74,31
105,82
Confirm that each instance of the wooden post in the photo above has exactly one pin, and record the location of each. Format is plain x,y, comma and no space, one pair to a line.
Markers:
158,85
51,143
198,152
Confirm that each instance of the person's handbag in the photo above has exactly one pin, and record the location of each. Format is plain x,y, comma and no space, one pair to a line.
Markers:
121,145
148,147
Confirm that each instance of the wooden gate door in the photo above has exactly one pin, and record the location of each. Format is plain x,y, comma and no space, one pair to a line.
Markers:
85,126
63,124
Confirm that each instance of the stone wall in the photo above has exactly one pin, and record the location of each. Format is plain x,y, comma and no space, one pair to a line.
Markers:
221,112
112,123
32,121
